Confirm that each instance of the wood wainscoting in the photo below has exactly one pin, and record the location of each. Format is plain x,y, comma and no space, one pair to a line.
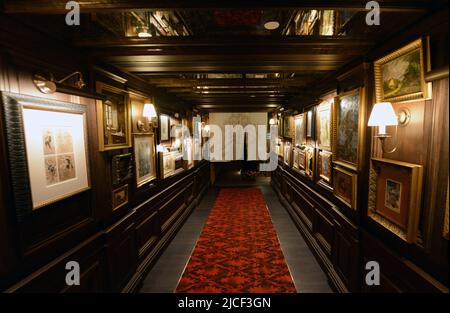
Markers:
341,245
118,257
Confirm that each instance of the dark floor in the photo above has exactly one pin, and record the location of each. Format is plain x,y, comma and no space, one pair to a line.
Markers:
306,272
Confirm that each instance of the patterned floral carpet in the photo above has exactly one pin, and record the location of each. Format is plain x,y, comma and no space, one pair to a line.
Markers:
238,250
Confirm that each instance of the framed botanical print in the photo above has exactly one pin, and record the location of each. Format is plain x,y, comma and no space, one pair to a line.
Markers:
310,162
324,124
119,197
348,129
164,121
395,190
122,168
345,185
300,129
399,76
287,129
145,160
325,165
113,118
47,148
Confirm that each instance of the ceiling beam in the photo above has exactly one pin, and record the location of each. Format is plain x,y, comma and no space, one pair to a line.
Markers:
58,6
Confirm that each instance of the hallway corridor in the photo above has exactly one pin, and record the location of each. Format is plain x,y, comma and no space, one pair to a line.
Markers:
306,273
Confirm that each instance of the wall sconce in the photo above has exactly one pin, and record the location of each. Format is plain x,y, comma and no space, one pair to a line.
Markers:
48,86
149,113
383,115
272,121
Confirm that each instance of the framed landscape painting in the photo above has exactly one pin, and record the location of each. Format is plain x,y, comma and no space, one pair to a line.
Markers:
48,150
119,197
399,76
144,155
395,190
113,118
347,129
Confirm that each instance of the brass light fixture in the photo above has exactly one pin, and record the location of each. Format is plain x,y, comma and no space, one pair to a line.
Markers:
49,86
150,114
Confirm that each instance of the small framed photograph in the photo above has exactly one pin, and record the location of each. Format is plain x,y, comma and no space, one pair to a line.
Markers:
47,148
399,76
164,124
345,185
300,130
324,125
325,165
122,168
395,190
119,197
145,158
113,118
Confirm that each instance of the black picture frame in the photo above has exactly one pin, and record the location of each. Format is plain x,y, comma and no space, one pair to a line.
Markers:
13,105
122,168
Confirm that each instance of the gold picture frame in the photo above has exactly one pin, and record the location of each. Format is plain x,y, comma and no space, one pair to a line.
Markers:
348,128
113,118
400,75
287,126
119,197
345,186
395,193
324,125
144,158
325,165
310,161
299,130
287,154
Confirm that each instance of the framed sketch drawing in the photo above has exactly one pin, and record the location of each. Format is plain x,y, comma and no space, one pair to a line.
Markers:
395,190
287,129
324,125
310,162
119,197
48,150
300,129
325,165
144,155
122,168
399,76
345,185
347,129
295,160
302,159
113,118
164,121
287,154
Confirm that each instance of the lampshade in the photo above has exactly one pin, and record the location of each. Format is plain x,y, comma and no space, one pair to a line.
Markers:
149,110
272,121
382,115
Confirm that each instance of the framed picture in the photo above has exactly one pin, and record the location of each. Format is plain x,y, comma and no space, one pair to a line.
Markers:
300,129
164,126
348,129
122,168
325,165
309,124
399,76
287,126
310,162
144,155
113,118
302,159
295,158
47,149
119,197
395,190
345,185
324,125
287,154
168,166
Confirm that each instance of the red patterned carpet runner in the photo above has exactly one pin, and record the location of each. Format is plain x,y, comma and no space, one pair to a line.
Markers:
238,250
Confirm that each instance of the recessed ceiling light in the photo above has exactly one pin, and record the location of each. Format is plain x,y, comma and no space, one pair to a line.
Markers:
271,25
